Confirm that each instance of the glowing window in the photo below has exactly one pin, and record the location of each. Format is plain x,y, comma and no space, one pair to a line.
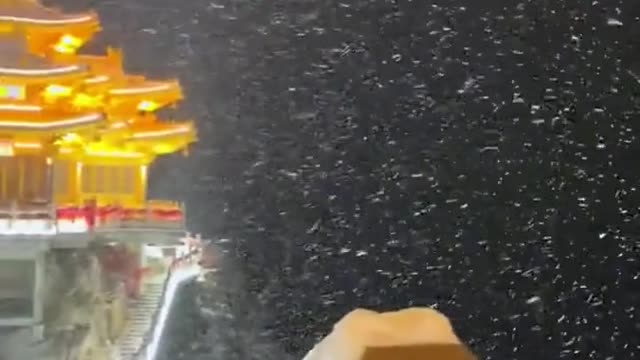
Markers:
13,92
53,92
148,106
113,179
6,148
68,44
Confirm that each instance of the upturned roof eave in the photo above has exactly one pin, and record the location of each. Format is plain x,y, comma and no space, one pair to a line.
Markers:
32,13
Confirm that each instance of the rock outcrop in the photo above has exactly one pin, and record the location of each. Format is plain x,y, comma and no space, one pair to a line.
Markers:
408,334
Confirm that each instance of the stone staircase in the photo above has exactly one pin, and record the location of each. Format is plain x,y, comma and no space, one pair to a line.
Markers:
139,321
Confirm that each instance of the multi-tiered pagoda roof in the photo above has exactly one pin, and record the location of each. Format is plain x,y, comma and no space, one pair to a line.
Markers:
74,127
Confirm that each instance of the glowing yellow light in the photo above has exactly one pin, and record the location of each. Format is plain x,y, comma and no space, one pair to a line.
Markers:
54,92
114,153
70,40
43,21
97,79
81,120
68,44
6,28
20,108
27,145
139,90
6,149
162,149
29,72
158,133
86,101
66,140
14,92
63,49
105,150
69,138
148,106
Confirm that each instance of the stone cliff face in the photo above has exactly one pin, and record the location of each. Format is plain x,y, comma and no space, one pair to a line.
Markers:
77,304
219,302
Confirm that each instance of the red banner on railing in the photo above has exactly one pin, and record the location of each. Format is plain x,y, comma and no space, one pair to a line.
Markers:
105,215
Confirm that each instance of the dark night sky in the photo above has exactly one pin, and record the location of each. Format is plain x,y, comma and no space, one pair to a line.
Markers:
481,156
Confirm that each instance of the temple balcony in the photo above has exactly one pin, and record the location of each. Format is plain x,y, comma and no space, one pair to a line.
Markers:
156,221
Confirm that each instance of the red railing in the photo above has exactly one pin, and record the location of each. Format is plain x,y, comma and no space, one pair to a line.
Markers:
106,214
151,215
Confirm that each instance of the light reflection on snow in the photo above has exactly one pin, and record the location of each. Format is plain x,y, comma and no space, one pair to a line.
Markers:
179,276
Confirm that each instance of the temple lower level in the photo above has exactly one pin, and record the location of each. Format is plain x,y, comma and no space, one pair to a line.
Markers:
101,302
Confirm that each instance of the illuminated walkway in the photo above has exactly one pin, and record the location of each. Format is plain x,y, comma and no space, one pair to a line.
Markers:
141,337
178,277
140,318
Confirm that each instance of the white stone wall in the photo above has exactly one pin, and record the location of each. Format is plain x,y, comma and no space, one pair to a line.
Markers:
17,282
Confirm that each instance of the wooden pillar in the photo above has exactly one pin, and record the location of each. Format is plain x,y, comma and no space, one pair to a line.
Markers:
141,188
4,169
48,180
93,176
77,182
21,178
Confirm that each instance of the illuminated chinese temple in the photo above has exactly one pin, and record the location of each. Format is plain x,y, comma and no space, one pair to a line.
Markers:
77,136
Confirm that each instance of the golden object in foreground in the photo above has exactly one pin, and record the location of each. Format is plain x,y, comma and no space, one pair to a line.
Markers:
408,334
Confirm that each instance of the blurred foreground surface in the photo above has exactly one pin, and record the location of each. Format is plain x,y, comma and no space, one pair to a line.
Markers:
408,334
